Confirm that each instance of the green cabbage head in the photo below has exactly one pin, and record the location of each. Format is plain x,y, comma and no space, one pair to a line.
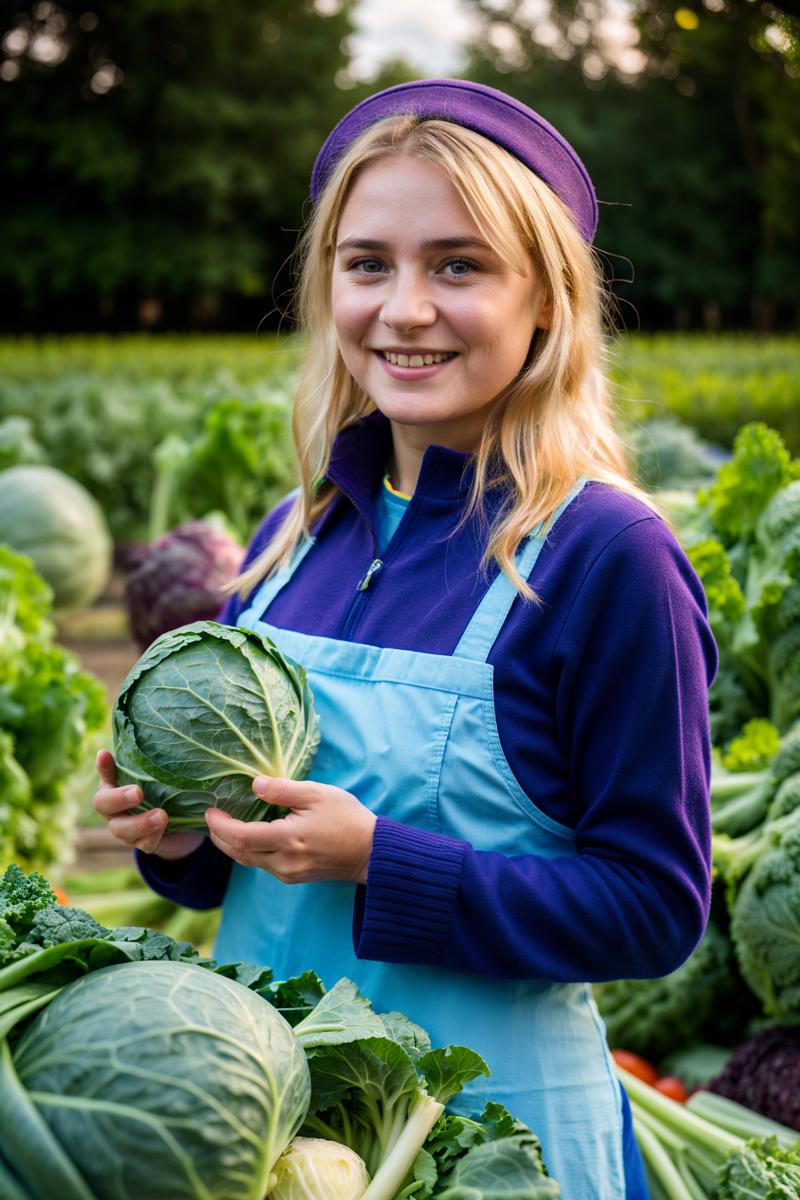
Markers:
153,1080
316,1169
205,709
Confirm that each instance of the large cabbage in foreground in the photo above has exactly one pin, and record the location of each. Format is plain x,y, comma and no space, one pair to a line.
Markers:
150,1080
205,709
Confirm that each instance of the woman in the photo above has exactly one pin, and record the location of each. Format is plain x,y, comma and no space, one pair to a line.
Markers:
506,645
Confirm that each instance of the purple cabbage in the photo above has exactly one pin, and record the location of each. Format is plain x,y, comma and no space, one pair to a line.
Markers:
763,1074
178,578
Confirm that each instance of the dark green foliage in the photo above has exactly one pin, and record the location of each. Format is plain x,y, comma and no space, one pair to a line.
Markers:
766,922
49,708
702,1000
185,179
692,158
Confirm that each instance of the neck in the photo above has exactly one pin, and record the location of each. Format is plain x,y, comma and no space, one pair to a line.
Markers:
409,444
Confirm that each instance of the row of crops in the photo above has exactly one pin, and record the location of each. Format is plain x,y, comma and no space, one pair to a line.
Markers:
155,459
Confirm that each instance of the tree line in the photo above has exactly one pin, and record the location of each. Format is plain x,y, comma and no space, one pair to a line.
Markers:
156,154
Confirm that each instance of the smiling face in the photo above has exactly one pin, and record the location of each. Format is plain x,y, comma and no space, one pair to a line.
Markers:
430,321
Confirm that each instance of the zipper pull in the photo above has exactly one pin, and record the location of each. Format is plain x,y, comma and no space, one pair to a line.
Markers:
373,569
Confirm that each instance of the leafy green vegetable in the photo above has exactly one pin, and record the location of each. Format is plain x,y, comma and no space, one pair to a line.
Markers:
18,444
761,1171
49,710
206,709
209,1077
52,519
743,540
493,1155
703,998
685,1154
240,457
766,924
761,465
374,1077
763,805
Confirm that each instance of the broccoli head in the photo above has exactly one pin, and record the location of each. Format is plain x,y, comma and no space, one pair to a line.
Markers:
741,800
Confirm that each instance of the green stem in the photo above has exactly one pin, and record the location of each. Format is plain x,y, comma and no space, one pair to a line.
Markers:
660,1165
679,1119
392,1172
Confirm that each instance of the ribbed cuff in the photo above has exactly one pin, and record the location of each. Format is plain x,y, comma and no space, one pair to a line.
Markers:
404,912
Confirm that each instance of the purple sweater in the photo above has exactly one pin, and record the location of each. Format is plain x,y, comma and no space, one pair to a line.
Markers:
602,710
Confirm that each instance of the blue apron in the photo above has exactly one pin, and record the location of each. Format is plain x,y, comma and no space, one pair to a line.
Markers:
414,737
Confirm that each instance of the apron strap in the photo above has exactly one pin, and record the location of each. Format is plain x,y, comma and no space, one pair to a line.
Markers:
487,620
274,584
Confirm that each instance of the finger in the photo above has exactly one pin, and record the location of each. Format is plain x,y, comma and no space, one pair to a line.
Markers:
144,831
287,793
243,838
237,852
250,835
106,767
109,801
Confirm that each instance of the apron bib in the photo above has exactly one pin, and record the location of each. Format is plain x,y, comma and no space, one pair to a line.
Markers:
414,737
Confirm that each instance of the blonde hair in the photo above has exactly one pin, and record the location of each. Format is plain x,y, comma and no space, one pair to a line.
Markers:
555,422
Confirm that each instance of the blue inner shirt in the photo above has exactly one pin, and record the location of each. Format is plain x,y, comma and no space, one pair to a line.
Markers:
389,508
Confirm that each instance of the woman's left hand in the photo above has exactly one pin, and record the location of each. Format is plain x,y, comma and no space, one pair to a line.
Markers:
326,834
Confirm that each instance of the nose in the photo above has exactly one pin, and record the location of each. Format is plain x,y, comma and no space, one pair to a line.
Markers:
408,303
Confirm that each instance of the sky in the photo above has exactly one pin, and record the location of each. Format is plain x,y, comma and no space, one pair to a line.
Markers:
428,33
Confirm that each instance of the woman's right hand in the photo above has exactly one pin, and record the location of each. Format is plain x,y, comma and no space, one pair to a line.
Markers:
144,831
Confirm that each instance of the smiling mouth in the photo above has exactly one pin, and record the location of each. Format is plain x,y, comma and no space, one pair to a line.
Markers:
416,360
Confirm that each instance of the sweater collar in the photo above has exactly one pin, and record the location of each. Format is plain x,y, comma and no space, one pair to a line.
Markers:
360,454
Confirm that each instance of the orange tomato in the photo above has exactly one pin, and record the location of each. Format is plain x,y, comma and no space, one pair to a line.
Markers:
636,1065
670,1085
60,895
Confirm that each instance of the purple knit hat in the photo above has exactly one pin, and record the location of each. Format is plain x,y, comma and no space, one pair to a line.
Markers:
497,116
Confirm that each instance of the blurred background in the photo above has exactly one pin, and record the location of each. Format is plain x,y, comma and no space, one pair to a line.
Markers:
156,153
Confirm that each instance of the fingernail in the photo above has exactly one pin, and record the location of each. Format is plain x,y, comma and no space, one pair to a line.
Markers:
260,785
132,794
156,819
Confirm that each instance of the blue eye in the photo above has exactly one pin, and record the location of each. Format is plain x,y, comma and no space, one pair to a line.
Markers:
461,262
366,264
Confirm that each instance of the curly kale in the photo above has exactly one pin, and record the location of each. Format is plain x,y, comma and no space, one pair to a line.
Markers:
22,897
766,642
765,922
762,1074
761,465
704,998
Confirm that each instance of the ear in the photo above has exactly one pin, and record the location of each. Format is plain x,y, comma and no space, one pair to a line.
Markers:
544,317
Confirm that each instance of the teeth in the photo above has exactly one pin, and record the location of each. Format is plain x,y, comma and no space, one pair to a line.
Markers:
415,360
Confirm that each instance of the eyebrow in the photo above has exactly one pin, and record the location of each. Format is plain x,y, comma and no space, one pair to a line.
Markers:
451,243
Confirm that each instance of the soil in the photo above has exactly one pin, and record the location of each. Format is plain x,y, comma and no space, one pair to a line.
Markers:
100,637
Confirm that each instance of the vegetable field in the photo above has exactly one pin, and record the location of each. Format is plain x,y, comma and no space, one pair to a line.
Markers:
132,474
